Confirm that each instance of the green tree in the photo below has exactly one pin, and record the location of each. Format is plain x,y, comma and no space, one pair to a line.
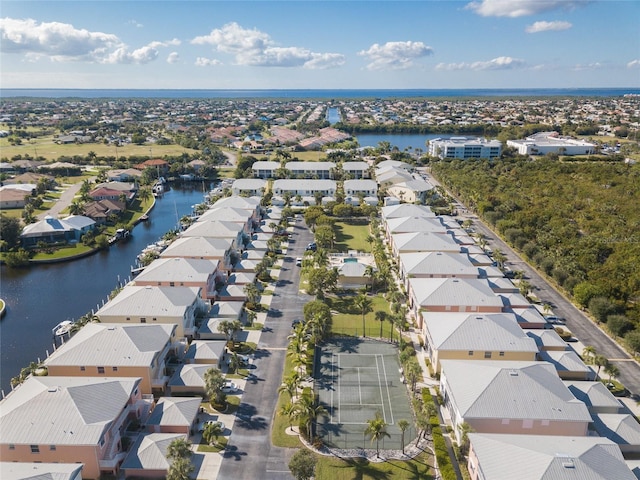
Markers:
377,430
403,425
364,305
600,361
212,431
179,448
619,325
588,354
214,381
303,464
600,308
180,469
10,230
612,370
381,317
325,236
309,409
632,340
288,410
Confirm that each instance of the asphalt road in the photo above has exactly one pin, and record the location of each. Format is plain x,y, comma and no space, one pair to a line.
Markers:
249,453
577,322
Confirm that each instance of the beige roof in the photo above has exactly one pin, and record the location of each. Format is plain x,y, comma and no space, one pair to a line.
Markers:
63,410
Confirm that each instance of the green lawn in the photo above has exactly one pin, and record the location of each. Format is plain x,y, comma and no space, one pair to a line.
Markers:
351,237
63,252
348,321
331,468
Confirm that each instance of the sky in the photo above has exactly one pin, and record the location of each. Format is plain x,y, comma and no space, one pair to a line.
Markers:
305,44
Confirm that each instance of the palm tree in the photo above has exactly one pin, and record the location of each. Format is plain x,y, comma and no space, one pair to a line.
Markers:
377,429
308,409
211,432
234,362
290,385
612,370
364,305
403,425
76,207
600,361
589,353
368,272
381,317
180,469
465,429
179,448
289,410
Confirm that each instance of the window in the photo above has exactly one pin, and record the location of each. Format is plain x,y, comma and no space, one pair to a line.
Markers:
143,320
128,318
505,421
155,318
115,369
101,370
12,446
52,448
172,284
526,423
487,354
471,353
35,449
83,368
501,354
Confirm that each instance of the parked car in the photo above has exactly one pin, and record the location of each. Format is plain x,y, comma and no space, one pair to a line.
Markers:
298,262
554,320
230,387
296,322
203,425
312,247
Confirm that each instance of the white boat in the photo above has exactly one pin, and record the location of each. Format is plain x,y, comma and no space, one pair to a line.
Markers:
63,328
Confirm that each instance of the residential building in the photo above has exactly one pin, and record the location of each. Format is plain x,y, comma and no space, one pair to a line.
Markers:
435,265
161,305
69,420
53,230
406,210
411,191
464,147
189,379
304,187
13,198
356,170
31,471
461,336
621,428
206,351
595,395
265,169
147,457
249,186
221,249
544,457
568,364
315,170
174,415
424,241
117,350
237,233
526,398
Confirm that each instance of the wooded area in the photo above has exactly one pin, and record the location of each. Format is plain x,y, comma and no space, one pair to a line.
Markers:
579,223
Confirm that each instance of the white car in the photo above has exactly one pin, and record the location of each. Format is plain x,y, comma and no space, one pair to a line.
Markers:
230,387
298,262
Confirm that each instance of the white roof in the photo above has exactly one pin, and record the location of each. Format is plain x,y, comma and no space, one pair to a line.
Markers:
565,361
227,309
149,452
546,338
303,184
79,221
40,471
415,224
191,375
179,270
360,184
198,247
228,214
621,428
353,166
424,242
438,263
265,165
63,410
214,229
175,411
514,390
206,350
453,291
246,203
490,332
414,185
548,457
137,301
406,210
114,344
249,184
593,394
309,165
51,224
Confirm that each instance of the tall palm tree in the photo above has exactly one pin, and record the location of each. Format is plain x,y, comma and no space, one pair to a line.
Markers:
180,469
600,361
211,432
381,316
377,429
308,409
289,410
612,370
290,385
364,305
588,353
403,425
179,448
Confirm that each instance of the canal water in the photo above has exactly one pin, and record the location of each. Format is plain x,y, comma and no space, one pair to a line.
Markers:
40,297
411,141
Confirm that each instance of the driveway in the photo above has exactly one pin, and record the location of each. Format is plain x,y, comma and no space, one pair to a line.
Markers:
66,197
250,453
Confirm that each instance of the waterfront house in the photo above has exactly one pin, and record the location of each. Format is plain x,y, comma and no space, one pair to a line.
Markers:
182,272
316,170
174,415
124,175
147,457
159,166
304,187
236,232
71,420
544,457
525,398
102,210
249,186
230,214
155,305
463,336
221,249
118,350
53,230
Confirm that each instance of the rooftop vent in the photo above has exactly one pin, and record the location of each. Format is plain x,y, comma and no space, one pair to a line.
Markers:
568,463
52,389
513,373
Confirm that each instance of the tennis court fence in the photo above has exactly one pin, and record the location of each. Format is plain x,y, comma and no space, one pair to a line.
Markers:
362,440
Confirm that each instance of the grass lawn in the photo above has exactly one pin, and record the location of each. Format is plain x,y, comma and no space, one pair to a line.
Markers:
348,321
279,436
351,237
220,445
63,252
331,468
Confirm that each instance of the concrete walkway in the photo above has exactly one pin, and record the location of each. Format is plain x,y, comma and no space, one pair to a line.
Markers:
66,198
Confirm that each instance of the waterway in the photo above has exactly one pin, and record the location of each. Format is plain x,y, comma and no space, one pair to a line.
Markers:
40,297
411,141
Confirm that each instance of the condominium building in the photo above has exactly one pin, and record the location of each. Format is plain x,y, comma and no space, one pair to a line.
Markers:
464,147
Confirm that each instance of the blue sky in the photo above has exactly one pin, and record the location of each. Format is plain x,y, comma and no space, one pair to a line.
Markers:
320,44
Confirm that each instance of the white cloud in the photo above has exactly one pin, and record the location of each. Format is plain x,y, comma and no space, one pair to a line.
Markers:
634,64
395,55
207,62
548,26
135,23
62,42
256,48
173,57
588,66
499,63
521,8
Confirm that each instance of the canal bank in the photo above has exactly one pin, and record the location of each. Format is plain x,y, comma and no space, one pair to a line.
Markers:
39,298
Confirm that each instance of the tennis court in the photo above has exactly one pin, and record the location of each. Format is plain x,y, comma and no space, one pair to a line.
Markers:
354,380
